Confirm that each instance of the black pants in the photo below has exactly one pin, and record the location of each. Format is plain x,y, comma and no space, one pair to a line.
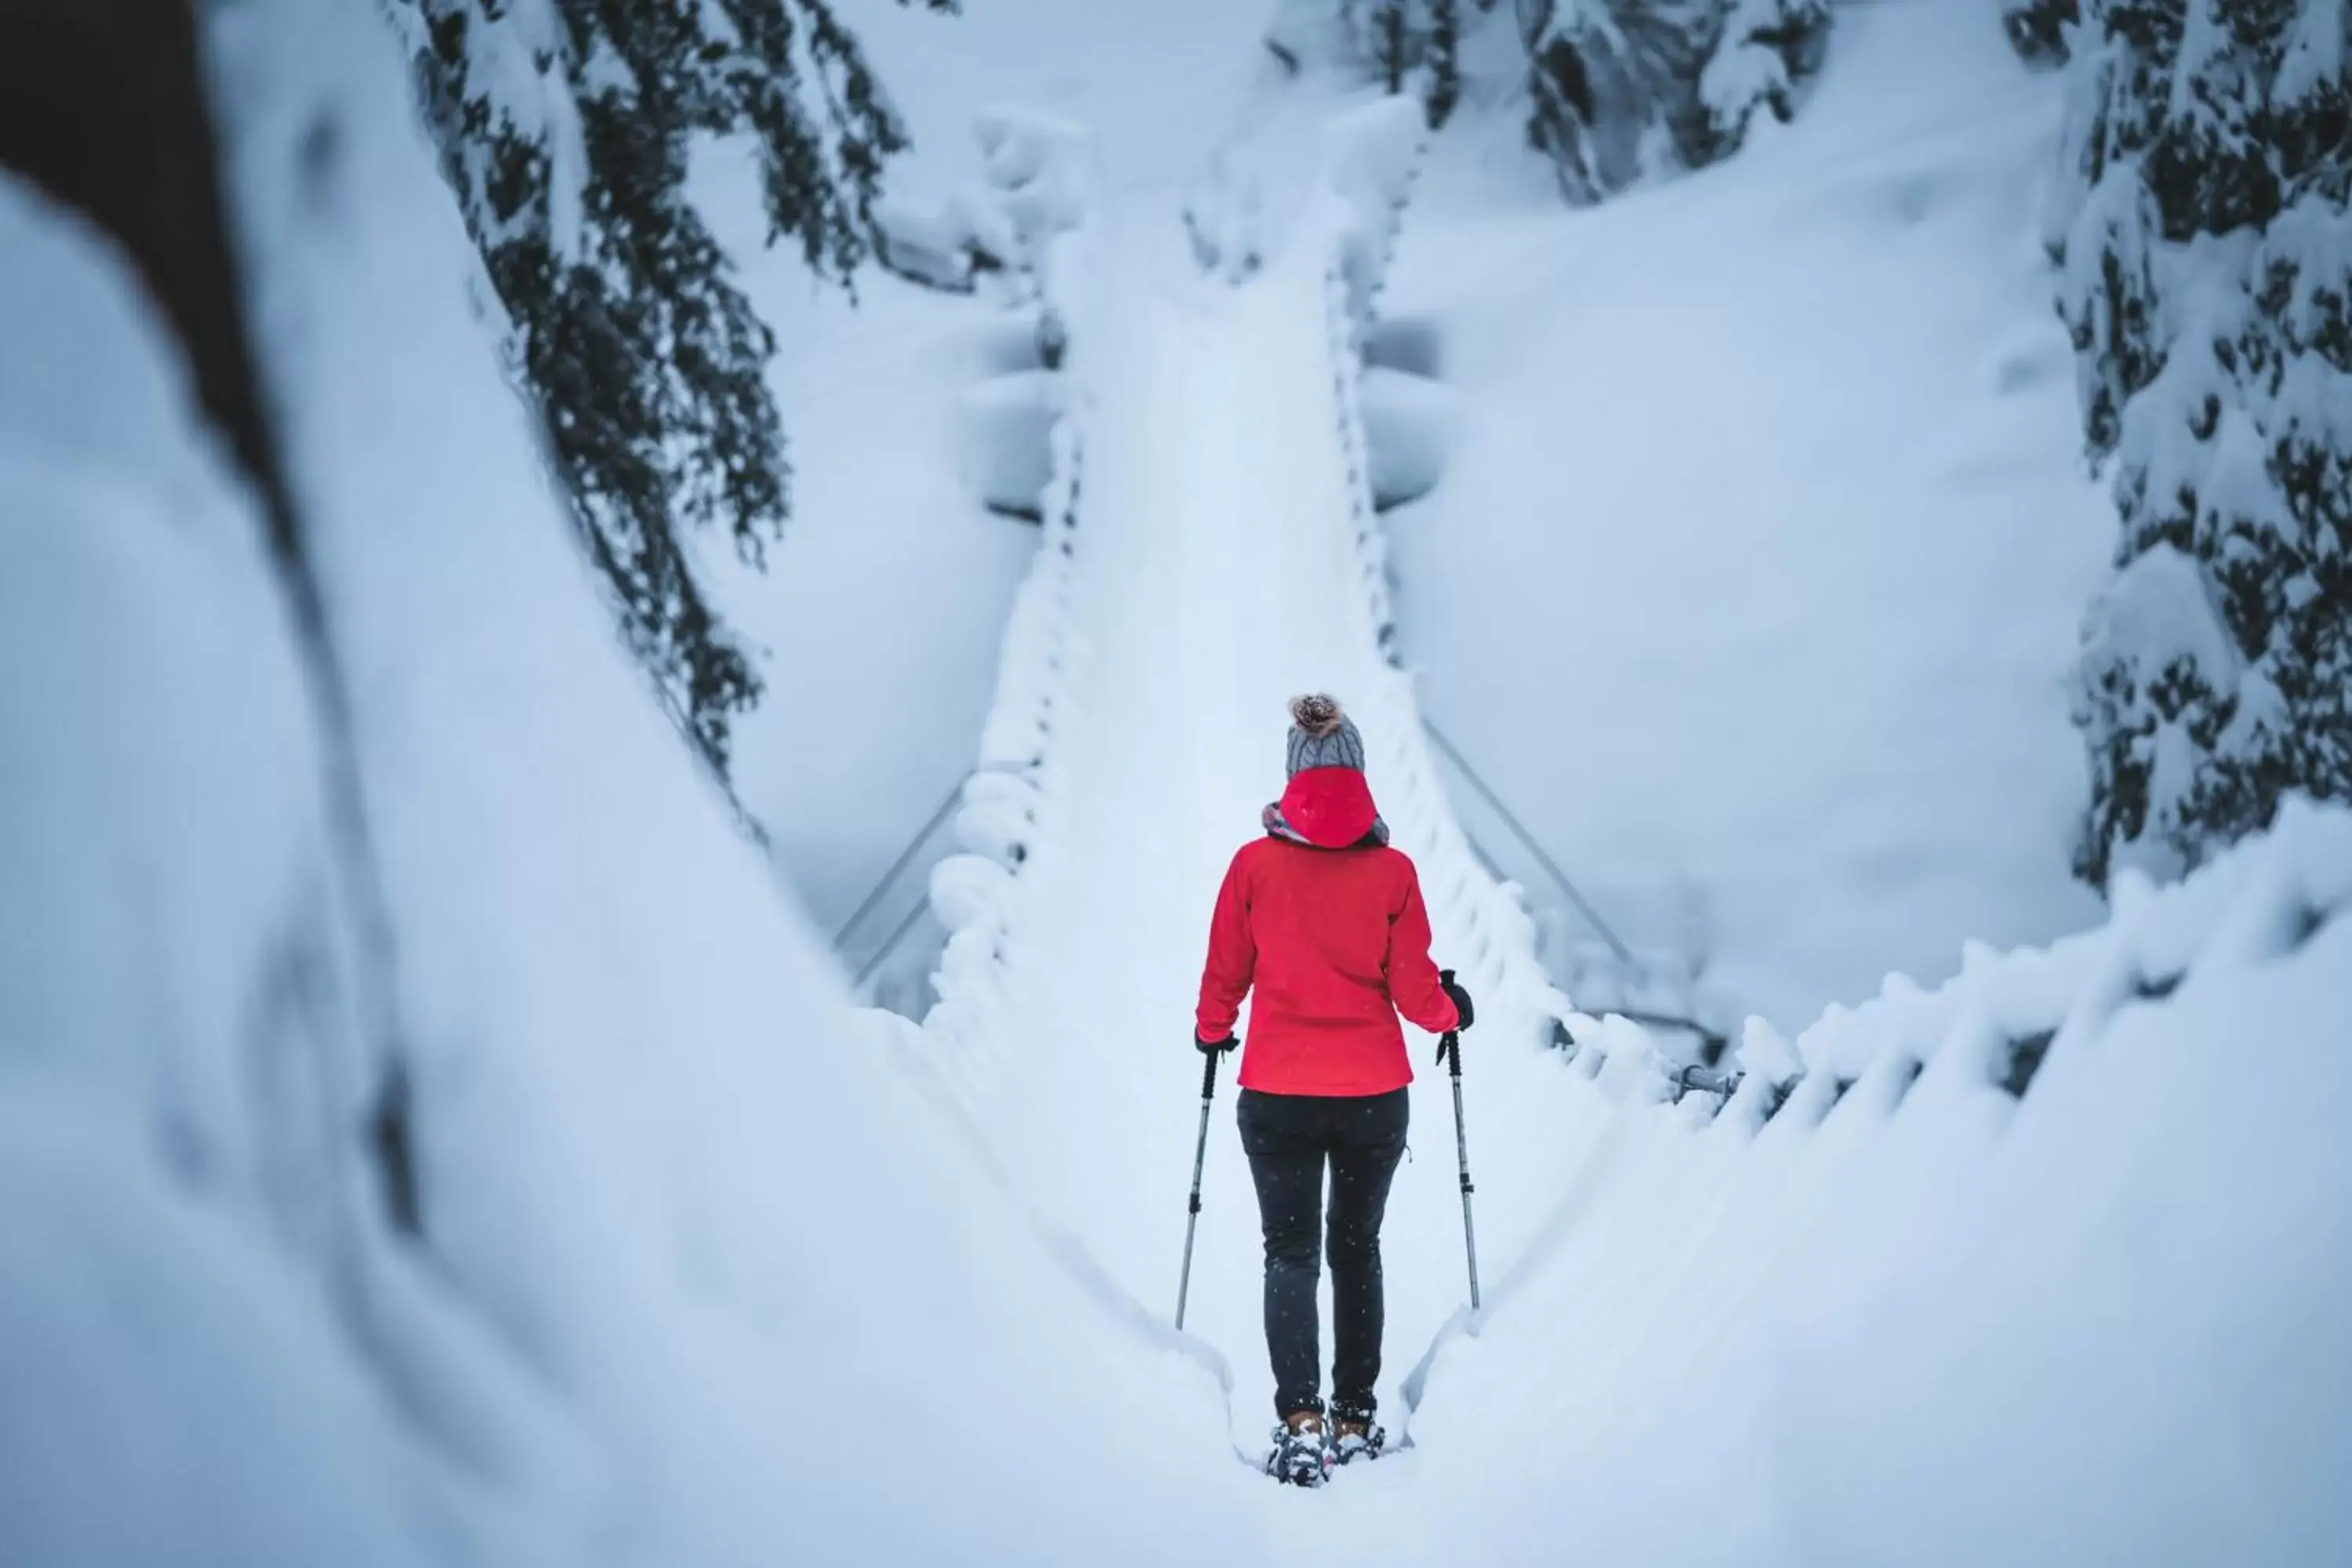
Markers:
1288,1139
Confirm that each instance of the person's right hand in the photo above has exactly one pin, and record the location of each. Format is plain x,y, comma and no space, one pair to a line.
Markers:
1465,1014
1214,1047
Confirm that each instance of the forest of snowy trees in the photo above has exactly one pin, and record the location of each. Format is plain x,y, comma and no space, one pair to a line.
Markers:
1615,89
2200,221
2202,225
566,133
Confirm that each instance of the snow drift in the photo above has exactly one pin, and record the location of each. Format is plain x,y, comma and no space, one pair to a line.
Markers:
699,1273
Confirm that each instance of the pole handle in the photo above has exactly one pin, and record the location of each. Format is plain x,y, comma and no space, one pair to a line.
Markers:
1208,1076
1449,1053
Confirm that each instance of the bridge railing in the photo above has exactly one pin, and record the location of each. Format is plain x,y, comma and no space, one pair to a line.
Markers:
2008,1015
1484,929
1018,770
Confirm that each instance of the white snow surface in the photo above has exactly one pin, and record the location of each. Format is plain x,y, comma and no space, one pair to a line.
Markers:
718,1269
647,1116
1755,581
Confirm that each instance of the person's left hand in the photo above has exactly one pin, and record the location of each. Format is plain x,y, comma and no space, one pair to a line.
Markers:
1459,997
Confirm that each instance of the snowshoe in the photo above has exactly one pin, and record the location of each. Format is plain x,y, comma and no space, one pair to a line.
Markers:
1358,1441
1302,1453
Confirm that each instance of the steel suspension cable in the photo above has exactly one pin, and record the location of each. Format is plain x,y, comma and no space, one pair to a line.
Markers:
1519,830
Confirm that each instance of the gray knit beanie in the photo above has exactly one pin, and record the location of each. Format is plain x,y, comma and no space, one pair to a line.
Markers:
1322,737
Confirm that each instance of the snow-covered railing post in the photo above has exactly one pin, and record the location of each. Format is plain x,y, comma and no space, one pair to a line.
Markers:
1021,452
2005,1017
999,237
1016,773
1372,157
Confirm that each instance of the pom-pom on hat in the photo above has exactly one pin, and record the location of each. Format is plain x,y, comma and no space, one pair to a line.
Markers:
1321,736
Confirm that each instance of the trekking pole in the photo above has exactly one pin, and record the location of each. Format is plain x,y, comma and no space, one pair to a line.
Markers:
1200,1156
1449,1051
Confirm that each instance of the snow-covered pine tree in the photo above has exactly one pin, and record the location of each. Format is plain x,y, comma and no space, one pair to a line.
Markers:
1621,89
1616,89
2207,260
2037,28
1390,46
1766,51
1416,43
565,132
1445,59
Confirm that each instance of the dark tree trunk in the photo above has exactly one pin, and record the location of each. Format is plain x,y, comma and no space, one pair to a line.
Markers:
104,106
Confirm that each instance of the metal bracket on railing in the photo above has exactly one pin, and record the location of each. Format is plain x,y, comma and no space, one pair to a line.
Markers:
1698,1078
1712,1045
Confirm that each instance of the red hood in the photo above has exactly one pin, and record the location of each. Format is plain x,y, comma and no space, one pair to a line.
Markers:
1331,808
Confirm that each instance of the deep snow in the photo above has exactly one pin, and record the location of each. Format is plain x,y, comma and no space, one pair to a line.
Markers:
1756,577
634,1075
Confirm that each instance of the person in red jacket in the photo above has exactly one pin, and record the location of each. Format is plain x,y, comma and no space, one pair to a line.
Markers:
1323,923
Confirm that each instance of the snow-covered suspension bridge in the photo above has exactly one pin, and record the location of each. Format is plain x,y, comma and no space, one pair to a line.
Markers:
1210,552
1661,1279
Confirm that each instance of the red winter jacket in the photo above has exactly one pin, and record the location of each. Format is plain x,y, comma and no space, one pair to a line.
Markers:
1334,938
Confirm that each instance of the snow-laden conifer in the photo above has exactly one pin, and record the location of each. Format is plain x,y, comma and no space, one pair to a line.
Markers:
566,132
1615,90
2206,258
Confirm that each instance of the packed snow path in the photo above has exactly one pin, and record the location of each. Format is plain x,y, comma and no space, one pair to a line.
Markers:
1217,566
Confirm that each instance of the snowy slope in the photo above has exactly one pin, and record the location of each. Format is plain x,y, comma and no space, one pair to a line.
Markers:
1920,1321
166,1183
1757,571
630,1333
